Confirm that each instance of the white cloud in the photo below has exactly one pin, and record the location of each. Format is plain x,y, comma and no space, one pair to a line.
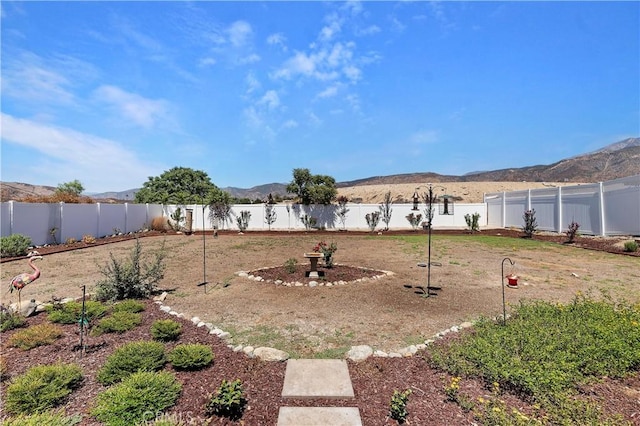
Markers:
239,33
277,39
352,73
329,92
252,83
289,124
424,137
132,107
100,164
370,30
30,78
270,99
207,61
249,59
333,27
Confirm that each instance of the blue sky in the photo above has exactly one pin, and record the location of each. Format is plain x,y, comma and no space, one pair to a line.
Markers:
111,93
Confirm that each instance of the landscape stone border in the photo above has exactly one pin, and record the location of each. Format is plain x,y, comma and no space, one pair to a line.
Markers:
314,283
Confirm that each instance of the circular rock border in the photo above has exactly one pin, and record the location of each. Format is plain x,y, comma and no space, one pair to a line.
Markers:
314,283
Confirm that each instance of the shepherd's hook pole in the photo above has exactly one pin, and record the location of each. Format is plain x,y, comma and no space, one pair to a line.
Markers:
504,305
204,252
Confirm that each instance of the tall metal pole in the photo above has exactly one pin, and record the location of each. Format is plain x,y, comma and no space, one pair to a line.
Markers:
429,252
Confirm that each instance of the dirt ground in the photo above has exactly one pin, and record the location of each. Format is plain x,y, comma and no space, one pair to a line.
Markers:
387,313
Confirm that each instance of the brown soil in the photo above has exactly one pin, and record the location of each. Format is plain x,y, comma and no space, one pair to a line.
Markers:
387,313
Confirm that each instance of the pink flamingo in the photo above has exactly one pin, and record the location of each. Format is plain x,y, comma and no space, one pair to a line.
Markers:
20,281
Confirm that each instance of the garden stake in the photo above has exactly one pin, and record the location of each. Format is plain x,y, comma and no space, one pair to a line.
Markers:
83,321
204,254
504,305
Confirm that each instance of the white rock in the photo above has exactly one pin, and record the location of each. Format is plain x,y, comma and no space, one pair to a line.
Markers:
270,354
278,282
237,348
330,284
181,315
455,329
394,355
298,284
161,296
243,274
67,300
466,324
380,354
573,274
195,320
209,326
216,331
43,307
248,350
174,313
224,335
201,324
421,346
165,308
313,283
429,341
359,353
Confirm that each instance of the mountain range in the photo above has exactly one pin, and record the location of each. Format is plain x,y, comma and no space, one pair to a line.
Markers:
617,160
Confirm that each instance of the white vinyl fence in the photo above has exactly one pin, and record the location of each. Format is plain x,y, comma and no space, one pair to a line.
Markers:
605,208
37,220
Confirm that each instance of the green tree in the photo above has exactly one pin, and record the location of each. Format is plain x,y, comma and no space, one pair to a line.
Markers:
312,189
74,188
219,203
180,185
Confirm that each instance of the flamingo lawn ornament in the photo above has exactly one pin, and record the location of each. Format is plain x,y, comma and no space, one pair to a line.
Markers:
20,281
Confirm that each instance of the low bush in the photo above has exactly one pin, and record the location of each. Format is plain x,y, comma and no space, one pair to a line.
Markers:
291,265
228,400
128,305
14,245
88,239
630,246
4,371
134,278
132,358
530,223
138,398
49,418
10,320
398,407
71,312
472,221
159,224
118,322
572,231
34,336
192,356
166,330
41,388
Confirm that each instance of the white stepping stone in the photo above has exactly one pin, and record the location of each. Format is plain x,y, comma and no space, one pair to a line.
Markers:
319,416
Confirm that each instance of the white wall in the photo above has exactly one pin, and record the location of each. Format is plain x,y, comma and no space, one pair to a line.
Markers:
607,208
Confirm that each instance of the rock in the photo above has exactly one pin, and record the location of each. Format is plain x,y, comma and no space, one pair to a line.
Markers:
43,307
394,355
573,274
278,282
380,354
270,354
216,331
165,308
466,324
174,313
248,350
161,297
26,309
313,283
298,284
243,274
359,353
195,320
224,335
201,324
237,348
408,351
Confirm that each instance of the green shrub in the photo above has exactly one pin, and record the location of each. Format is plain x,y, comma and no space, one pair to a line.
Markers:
572,231
14,245
118,322
71,312
132,358
630,246
398,407
133,278
10,320
49,418
166,330
4,370
129,305
41,388
192,356
34,336
546,350
291,265
472,222
228,400
137,398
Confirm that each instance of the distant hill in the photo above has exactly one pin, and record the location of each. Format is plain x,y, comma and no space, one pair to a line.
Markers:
619,159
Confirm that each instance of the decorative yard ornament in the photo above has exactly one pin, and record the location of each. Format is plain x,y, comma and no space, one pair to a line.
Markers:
20,281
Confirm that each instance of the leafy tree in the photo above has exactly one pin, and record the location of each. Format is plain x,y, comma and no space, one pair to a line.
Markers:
74,188
312,189
180,185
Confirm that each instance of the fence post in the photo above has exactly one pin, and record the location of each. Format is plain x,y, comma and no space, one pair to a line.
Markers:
62,238
603,231
504,209
126,216
98,221
11,203
559,209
